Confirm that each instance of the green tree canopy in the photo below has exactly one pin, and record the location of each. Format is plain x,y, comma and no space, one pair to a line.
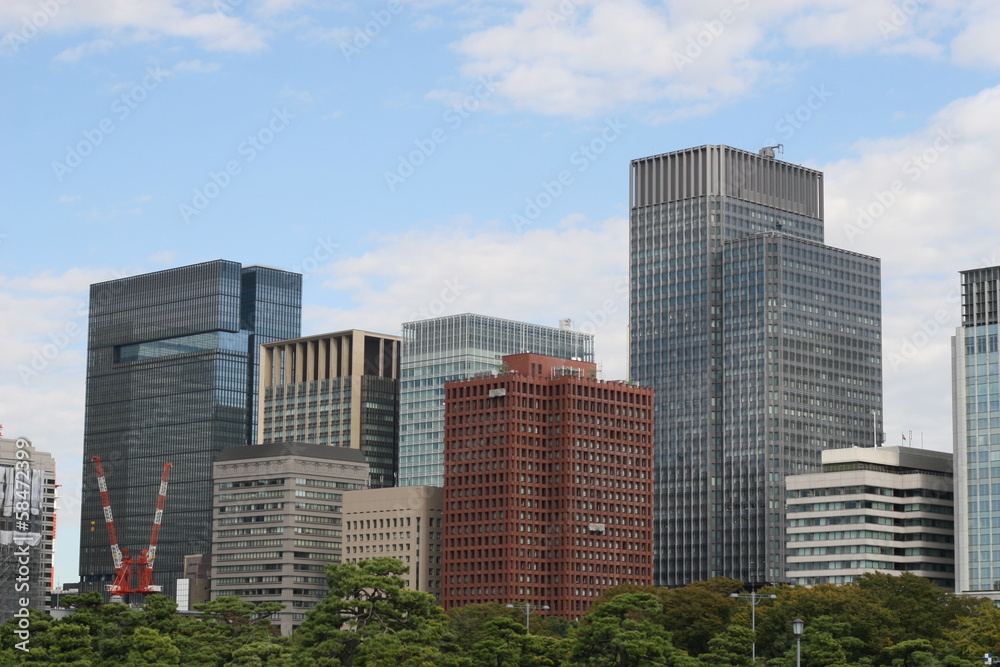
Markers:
625,632
370,616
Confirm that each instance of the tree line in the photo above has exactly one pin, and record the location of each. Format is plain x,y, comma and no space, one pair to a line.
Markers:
369,618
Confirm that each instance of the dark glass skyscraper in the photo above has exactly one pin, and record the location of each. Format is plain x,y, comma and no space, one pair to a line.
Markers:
171,377
762,343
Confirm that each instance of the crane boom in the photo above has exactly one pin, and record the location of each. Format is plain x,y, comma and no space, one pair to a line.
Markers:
154,536
109,520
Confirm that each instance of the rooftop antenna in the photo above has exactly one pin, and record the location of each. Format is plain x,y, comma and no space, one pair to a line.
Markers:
768,151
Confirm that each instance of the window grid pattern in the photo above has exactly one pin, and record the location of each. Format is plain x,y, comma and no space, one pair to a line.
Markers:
976,405
458,347
713,313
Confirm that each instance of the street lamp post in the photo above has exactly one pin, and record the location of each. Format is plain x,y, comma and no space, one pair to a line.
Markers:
798,626
529,609
754,599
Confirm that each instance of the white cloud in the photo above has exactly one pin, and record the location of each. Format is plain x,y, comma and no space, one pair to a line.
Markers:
579,60
196,67
977,44
299,95
214,30
50,414
267,8
925,204
578,270
428,22
74,54
43,380
584,57
163,257
338,35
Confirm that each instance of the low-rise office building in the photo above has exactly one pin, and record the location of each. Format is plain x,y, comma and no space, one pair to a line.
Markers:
872,509
402,523
278,522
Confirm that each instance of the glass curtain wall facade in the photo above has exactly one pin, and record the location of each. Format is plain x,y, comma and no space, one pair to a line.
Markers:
763,346
458,347
171,377
976,426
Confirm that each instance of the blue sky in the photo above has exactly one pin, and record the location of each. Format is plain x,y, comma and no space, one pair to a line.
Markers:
426,158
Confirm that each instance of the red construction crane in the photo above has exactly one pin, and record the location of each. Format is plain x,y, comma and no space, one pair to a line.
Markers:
132,576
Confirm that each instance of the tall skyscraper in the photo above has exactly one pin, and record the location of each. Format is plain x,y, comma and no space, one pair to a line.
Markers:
548,486
454,348
762,343
171,377
339,389
976,426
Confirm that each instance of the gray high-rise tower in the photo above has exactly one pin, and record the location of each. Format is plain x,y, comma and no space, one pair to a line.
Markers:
976,415
172,362
762,343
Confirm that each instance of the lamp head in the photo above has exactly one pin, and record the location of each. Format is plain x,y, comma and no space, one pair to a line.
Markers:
798,627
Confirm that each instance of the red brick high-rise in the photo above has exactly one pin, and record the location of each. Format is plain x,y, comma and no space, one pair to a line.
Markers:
548,486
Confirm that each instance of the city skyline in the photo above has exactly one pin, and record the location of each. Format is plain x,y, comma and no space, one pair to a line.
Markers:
421,160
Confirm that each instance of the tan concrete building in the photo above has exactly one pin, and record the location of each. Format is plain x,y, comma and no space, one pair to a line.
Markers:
872,509
278,521
196,585
402,523
27,525
339,389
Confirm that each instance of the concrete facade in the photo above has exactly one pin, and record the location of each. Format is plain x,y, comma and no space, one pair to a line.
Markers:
403,523
872,509
339,389
196,585
27,522
278,521
548,486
